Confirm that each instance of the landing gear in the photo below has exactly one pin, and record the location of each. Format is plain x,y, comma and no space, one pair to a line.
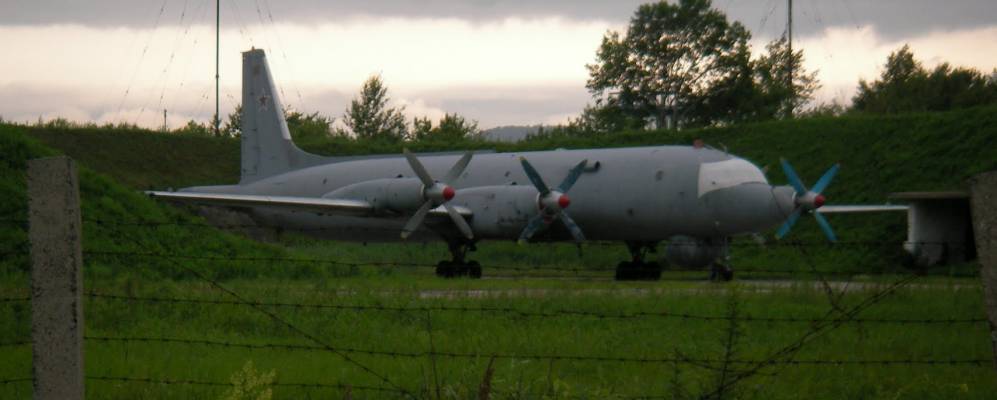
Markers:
720,269
721,272
638,269
458,267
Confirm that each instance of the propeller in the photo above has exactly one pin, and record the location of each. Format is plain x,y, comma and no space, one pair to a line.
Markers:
808,201
552,202
436,194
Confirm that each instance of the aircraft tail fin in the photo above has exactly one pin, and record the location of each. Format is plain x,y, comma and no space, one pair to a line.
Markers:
267,148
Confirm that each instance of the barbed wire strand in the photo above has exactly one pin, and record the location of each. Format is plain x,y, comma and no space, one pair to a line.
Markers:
538,268
541,357
534,314
165,381
15,344
787,243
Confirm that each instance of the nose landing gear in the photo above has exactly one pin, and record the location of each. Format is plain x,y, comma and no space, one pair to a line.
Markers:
458,267
638,269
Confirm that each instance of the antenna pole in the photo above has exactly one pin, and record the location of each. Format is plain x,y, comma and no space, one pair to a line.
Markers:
218,22
789,29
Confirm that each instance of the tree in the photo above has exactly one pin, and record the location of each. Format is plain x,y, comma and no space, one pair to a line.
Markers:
370,117
195,128
233,124
905,86
898,87
671,60
451,127
303,127
603,118
307,128
781,98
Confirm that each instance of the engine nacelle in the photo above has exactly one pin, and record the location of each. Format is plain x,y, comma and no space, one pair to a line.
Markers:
499,211
689,252
394,194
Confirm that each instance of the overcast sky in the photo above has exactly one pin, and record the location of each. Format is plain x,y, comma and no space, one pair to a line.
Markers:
500,62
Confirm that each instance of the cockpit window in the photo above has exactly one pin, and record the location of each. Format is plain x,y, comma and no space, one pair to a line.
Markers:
728,173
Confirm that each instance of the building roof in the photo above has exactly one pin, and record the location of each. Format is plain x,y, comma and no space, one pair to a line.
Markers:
915,196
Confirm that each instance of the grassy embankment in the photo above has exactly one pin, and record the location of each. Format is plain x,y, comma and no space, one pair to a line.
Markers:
879,155
916,152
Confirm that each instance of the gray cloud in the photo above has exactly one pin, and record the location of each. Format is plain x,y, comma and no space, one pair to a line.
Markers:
892,18
490,107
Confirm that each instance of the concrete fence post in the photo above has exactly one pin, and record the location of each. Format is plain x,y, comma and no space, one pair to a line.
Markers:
56,278
983,205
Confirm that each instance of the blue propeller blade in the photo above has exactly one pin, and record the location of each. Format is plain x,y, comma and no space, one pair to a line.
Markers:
536,223
535,178
826,227
576,232
786,226
826,179
573,175
794,179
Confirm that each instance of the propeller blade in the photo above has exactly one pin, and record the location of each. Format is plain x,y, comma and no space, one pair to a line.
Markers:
786,226
458,168
416,220
826,179
532,227
826,227
794,179
419,170
576,232
531,173
573,175
459,220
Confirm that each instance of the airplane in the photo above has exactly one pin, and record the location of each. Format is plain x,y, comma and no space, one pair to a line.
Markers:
695,197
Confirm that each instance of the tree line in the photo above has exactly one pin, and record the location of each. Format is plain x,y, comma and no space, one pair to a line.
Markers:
677,65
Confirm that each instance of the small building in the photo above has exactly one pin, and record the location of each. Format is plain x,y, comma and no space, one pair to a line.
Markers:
939,227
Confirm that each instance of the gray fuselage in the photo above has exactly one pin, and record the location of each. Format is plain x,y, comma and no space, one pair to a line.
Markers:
644,194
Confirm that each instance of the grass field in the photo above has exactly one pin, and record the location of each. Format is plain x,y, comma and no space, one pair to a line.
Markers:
646,354
556,326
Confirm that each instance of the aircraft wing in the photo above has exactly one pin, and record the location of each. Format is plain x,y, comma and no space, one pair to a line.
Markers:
313,204
860,209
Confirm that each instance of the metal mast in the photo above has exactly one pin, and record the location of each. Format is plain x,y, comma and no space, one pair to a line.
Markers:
218,20
789,30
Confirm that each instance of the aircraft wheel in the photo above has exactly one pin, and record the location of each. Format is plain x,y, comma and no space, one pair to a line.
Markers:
726,273
445,269
651,271
474,270
624,271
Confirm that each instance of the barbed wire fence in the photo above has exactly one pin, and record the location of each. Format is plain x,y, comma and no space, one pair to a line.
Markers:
819,324
729,369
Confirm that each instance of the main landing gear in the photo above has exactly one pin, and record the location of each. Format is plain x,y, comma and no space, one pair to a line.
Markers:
721,271
458,267
720,268
638,269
